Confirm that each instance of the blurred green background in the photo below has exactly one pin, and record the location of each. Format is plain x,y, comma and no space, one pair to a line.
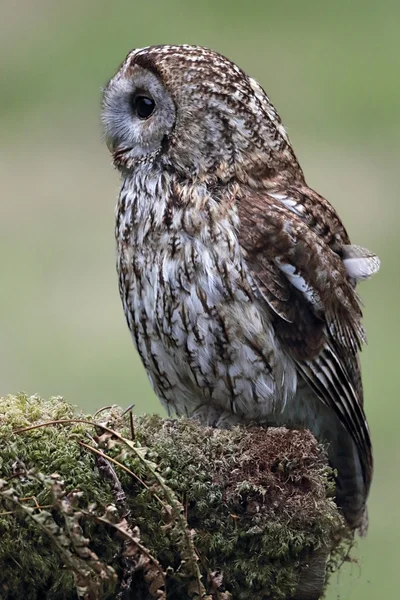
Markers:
332,69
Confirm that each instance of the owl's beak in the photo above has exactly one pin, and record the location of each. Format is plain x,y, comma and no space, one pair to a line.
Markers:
122,157
119,152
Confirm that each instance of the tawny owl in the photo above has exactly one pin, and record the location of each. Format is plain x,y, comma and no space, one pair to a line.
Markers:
237,280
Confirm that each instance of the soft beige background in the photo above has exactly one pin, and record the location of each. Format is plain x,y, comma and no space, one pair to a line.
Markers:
332,69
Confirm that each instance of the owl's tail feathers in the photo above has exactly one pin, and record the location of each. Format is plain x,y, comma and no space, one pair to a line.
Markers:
351,487
363,527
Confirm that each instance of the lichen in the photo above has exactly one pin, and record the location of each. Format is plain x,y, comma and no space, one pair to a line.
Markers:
239,511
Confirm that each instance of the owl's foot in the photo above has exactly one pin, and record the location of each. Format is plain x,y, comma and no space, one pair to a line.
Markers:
212,416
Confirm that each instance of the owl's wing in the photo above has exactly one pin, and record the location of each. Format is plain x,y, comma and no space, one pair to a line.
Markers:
313,305
320,216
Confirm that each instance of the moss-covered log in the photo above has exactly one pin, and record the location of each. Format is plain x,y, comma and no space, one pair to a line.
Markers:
115,506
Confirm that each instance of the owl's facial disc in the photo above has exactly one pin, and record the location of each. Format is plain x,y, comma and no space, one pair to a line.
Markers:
138,114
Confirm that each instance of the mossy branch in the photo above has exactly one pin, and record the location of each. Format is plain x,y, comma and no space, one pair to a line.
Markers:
179,512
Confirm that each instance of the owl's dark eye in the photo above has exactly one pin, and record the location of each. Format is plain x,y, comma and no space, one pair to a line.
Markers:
143,106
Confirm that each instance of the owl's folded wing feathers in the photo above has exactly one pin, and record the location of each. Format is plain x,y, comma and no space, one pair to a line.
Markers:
313,304
319,215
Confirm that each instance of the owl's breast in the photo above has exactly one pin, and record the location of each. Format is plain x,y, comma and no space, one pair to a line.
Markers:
202,335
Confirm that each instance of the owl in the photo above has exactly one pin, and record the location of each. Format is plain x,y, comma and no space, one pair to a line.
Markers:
237,280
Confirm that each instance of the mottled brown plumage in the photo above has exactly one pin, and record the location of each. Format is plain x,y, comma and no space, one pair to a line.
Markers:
237,280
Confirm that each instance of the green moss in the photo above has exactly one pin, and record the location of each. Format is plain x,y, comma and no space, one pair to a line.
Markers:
29,566
253,504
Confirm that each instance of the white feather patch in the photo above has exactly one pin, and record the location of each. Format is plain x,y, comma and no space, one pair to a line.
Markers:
298,281
359,262
290,203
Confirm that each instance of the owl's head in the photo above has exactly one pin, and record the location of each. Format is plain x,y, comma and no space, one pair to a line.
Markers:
192,110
